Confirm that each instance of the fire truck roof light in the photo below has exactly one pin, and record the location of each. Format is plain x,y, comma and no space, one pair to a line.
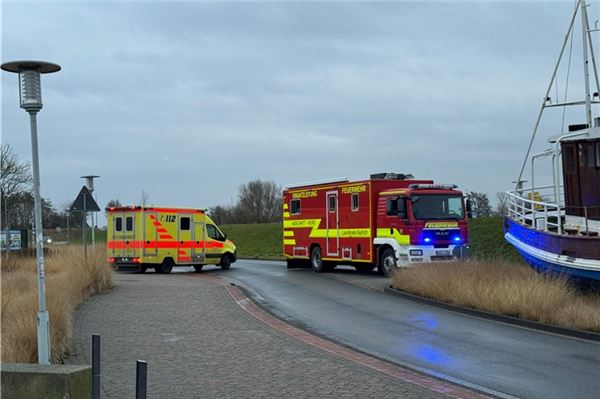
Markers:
433,186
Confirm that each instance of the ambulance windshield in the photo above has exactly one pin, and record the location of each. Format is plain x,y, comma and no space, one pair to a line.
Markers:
438,207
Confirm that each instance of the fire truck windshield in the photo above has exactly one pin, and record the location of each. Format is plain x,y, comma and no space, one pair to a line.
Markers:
427,207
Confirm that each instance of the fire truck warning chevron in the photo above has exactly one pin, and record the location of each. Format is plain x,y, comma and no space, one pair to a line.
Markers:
385,222
158,237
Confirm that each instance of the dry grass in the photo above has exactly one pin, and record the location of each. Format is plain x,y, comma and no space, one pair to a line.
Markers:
504,288
69,281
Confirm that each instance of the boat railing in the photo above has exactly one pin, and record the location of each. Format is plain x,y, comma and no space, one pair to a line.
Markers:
531,207
531,210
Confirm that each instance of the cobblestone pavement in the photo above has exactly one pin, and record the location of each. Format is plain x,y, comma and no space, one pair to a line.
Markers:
199,344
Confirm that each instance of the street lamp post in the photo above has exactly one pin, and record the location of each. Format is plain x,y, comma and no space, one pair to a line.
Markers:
30,95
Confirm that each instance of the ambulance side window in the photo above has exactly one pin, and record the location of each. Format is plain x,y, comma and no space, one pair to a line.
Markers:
129,223
295,207
214,233
354,202
211,231
184,223
118,224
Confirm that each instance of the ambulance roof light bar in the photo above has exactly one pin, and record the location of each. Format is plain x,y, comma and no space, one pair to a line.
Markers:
433,186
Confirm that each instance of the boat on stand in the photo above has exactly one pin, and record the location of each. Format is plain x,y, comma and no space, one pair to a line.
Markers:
556,227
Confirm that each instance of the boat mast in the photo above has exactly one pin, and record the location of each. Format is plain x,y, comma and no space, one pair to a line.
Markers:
586,72
539,118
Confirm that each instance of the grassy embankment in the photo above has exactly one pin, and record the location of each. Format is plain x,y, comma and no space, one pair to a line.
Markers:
69,281
256,241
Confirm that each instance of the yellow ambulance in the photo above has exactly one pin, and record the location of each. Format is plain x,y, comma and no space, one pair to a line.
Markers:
142,237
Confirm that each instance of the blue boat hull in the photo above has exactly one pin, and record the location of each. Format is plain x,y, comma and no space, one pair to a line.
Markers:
574,257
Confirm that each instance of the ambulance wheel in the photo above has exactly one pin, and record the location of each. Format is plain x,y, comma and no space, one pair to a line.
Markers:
387,262
198,268
166,266
316,261
225,262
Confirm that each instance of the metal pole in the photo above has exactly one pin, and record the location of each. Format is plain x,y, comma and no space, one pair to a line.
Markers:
93,232
42,317
84,227
6,226
95,366
141,379
68,217
586,71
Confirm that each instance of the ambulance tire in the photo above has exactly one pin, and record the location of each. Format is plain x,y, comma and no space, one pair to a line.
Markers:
387,262
316,261
165,267
225,262
198,268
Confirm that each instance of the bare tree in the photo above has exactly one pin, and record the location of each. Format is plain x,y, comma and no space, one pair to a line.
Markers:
145,197
502,205
14,175
260,201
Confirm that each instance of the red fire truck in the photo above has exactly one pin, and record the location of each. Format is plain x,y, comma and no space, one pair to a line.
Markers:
386,221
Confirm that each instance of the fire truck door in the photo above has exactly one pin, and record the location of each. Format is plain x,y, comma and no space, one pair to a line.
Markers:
198,242
150,247
184,238
332,225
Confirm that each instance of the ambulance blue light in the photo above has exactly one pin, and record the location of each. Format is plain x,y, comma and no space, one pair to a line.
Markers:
427,239
456,239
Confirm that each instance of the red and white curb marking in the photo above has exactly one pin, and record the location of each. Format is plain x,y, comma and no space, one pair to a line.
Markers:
392,370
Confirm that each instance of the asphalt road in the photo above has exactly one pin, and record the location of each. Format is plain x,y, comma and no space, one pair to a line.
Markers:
497,358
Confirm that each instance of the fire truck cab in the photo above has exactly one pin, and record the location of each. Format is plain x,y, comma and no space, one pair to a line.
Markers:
142,237
386,222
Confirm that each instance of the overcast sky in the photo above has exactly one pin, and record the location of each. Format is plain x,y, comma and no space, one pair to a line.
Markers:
189,100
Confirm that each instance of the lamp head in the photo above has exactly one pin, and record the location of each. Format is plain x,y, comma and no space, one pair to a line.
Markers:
30,88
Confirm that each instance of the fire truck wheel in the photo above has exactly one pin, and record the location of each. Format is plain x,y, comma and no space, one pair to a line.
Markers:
316,261
166,266
388,262
198,268
225,262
